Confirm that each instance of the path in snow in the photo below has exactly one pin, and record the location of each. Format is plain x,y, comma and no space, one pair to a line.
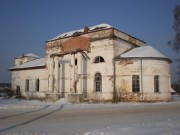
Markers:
23,117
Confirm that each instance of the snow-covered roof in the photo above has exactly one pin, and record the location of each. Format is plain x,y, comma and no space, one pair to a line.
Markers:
143,52
31,64
93,28
29,55
32,55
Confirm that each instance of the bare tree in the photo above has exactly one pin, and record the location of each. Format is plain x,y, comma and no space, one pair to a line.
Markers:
175,44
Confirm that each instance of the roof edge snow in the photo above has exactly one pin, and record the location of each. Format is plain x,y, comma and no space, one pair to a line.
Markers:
143,52
37,63
144,58
28,55
81,31
91,29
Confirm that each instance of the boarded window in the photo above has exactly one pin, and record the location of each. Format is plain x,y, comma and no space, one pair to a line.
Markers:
99,59
135,83
37,85
156,83
27,85
98,82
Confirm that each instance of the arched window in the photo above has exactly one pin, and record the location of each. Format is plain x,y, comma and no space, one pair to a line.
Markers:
135,83
99,59
156,83
98,82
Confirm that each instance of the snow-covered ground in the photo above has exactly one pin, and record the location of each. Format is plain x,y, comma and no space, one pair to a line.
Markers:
23,117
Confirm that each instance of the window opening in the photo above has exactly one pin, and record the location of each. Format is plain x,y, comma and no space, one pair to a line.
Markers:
27,85
75,62
135,83
17,90
98,82
99,59
37,85
156,83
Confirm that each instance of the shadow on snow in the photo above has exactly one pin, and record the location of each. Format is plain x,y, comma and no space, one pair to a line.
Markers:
34,119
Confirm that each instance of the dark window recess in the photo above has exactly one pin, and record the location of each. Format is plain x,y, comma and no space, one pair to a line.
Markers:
156,83
76,62
98,82
99,59
37,85
135,83
27,85
17,90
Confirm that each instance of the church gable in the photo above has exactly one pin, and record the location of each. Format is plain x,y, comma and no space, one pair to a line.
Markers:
99,63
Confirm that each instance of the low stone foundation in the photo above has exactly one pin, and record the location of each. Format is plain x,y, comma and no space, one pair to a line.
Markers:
52,97
40,96
99,97
75,98
145,97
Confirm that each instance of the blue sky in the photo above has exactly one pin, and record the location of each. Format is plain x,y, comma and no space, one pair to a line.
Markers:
25,25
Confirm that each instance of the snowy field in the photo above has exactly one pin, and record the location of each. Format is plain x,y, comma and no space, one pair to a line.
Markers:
22,117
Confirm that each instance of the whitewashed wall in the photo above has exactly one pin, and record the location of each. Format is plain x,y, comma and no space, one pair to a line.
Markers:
108,49
126,68
65,76
19,77
105,49
121,46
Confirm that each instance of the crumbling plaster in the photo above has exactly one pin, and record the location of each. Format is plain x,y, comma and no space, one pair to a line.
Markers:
70,68
126,68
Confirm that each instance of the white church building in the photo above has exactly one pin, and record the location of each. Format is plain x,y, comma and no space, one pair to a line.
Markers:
100,63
